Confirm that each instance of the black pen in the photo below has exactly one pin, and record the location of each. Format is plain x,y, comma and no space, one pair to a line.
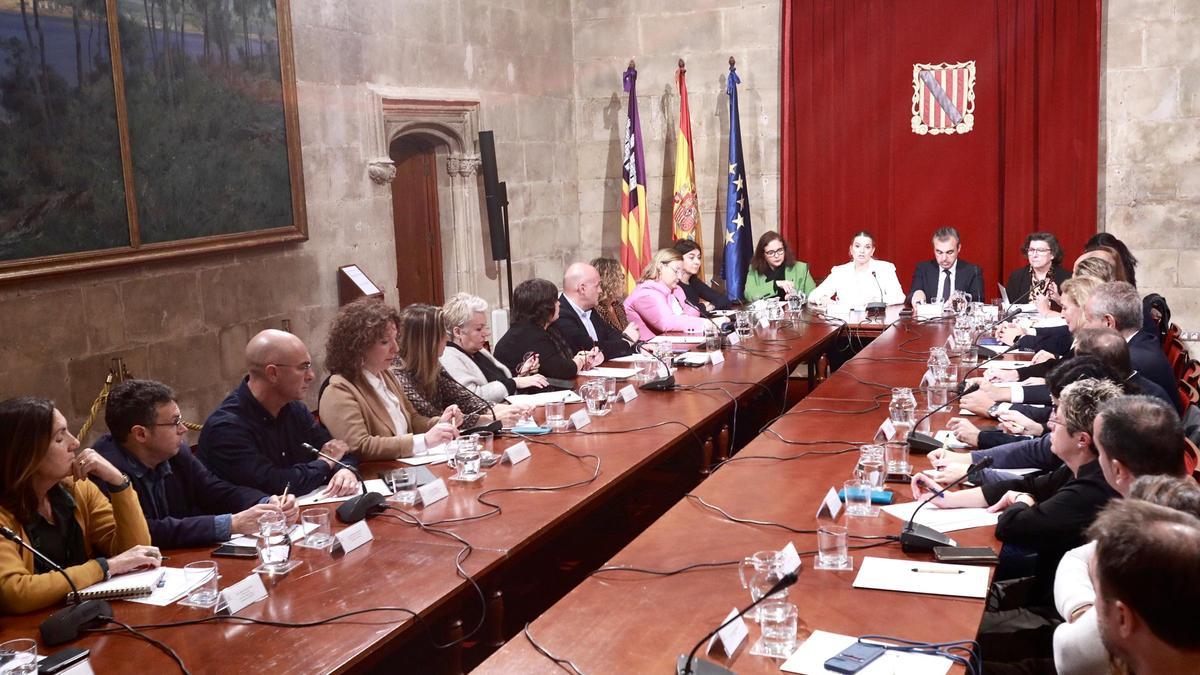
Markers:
927,571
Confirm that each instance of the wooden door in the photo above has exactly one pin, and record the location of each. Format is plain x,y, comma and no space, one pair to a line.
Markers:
415,220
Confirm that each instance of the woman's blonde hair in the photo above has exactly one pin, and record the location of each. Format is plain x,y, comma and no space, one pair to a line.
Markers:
1079,289
422,335
460,309
664,256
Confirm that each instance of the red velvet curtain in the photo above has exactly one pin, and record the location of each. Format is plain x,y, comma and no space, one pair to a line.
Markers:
850,158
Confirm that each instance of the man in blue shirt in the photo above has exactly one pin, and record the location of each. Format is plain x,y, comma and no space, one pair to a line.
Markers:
185,505
255,437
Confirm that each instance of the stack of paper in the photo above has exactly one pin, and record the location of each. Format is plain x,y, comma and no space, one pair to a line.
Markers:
169,583
314,497
617,373
911,576
534,400
679,339
810,658
943,520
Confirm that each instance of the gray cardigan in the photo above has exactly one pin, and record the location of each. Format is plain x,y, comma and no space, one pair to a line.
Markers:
465,372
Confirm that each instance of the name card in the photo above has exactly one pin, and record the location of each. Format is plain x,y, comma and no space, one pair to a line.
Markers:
716,357
888,429
927,379
791,558
730,636
764,322
243,594
951,344
733,338
628,393
580,419
831,506
354,536
516,454
433,492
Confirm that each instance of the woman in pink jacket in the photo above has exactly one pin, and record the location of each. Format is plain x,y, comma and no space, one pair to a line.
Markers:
657,304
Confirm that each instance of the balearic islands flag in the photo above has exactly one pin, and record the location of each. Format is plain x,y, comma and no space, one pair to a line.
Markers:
685,213
635,233
739,242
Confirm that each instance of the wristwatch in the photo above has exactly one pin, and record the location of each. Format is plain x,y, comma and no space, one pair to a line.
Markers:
122,486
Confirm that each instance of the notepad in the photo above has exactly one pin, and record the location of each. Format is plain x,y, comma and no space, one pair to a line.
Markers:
123,587
313,498
948,439
930,578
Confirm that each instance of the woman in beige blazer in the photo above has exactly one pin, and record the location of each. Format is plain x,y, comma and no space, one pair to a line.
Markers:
363,403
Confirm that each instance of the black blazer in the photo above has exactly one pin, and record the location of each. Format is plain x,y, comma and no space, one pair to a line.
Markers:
571,327
927,277
695,291
552,351
1147,357
1021,279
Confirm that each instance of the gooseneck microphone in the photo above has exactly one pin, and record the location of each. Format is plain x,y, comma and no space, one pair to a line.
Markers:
659,384
916,537
689,665
923,443
66,624
881,306
356,508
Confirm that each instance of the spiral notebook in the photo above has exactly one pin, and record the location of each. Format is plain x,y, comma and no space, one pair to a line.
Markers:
135,585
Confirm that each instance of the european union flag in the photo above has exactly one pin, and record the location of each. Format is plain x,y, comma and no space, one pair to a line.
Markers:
739,240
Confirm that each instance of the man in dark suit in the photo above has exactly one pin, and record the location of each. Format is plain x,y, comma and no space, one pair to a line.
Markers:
933,280
579,326
1117,305
185,504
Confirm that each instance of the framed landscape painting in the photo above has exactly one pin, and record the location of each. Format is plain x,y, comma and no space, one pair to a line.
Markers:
142,129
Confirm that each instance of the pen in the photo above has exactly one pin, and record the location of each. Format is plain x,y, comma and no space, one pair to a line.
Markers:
283,497
162,580
928,571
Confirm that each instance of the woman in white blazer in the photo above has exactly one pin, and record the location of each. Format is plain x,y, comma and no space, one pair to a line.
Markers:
862,280
471,365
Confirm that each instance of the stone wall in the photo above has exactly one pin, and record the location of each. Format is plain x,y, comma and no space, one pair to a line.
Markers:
186,322
705,33
1150,133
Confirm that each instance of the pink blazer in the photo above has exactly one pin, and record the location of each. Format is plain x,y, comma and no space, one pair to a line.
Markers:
649,310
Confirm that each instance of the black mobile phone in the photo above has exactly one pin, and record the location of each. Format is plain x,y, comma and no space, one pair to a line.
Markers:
965,554
231,551
62,659
854,658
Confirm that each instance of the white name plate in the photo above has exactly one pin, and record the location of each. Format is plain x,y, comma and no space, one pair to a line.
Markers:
433,492
791,557
730,636
243,594
580,419
354,536
733,338
831,506
516,454
716,358
628,393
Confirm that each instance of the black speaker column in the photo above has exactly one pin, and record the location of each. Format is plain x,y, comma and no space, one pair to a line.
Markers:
496,197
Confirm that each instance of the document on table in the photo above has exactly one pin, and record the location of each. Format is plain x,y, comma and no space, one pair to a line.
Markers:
821,646
633,358
544,397
911,576
1007,365
943,520
175,584
679,339
616,373
422,460
295,533
947,438
313,498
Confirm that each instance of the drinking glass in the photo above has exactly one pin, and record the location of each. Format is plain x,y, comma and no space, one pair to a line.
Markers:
871,466
895,453
204,595
19,657
858,498
712,339
466,459
779,619
970,358
610,389
743,325
595,397
274,544
316,523
832,553
555,418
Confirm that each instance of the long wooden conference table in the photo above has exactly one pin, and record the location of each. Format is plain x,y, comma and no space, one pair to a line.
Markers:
440,596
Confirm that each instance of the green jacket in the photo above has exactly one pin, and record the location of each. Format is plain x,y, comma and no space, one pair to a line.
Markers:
758,286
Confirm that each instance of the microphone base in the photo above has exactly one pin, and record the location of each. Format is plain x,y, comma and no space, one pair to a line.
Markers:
665,384
65,625
916,537
700,667
360,507
922,443
876,308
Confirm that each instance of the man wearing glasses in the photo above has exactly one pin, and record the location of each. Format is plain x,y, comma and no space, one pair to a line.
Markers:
255,437
934,280
184,504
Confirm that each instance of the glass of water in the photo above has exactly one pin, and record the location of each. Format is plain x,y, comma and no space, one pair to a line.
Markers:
203,572
316,523
555,415
832,553
274,544
19,657
779,619
466,459
742,324
595,397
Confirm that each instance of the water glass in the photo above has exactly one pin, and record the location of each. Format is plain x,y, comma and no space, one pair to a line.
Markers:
204,595
832,553
970,358
316,523
895,453
555,415
610,389
595,397
779,619
274,544
19,657
466,459
742,324
871,465
712,339
962,338
858,498
648,370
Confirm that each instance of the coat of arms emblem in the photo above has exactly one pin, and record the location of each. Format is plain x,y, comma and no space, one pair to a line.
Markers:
943,98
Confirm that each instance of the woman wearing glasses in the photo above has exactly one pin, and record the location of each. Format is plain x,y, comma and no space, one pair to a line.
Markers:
863,280
1043,274
658,304
775,272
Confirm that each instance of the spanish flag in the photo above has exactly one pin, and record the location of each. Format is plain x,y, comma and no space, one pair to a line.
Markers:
685,213
635,231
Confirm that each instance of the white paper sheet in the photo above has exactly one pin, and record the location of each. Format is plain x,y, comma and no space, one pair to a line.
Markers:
633,358
544,398
1007,365
810,658
679,339
946,438
910,576
422,460
313,498
175,585
618,373
943,520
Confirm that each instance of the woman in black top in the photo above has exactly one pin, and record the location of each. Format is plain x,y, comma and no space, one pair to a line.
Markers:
535,307
1044,272
699,294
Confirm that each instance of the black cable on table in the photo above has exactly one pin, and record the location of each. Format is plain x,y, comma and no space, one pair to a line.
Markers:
561,662
158,644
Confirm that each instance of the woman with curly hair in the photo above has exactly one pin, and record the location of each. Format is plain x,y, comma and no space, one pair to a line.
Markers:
611,305
364,403
426,384
535,307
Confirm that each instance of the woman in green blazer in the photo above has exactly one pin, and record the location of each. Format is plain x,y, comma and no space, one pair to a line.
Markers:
775,272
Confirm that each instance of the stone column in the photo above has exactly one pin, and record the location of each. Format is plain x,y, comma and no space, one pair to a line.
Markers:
465,216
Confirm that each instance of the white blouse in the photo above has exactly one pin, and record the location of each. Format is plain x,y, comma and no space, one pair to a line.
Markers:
390,401
857,288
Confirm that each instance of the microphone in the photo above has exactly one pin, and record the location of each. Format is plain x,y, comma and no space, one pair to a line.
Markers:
65,624
663,383
356,508
924,443
877,307
916,537
683,664
496,426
